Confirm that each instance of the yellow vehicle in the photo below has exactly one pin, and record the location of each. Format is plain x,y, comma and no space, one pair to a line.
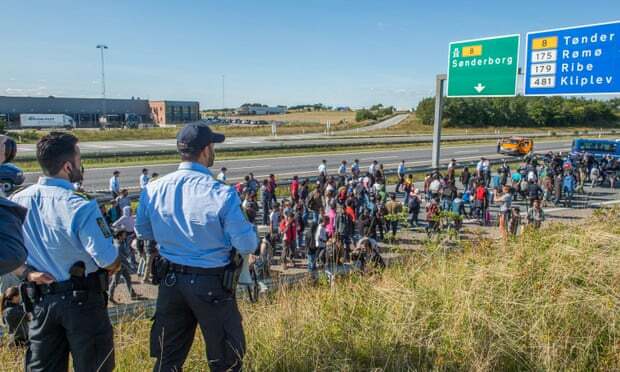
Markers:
516,146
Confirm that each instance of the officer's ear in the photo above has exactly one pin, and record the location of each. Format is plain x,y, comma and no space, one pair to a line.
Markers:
67,167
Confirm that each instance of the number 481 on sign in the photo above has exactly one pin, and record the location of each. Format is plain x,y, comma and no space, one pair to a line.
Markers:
542,82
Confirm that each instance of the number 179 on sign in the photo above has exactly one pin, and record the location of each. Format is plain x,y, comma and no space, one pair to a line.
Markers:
543,69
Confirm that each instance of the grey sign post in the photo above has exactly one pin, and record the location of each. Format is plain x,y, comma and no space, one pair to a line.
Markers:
439,83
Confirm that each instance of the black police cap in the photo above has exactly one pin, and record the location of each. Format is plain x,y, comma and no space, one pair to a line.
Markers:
195,137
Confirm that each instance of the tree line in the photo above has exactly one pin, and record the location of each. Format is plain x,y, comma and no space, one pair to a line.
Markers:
521,111
374,112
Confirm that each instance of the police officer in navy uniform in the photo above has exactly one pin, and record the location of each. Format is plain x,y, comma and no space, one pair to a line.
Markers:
67,237
198,222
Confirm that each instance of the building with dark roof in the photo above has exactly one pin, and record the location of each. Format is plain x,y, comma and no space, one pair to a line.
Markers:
87,111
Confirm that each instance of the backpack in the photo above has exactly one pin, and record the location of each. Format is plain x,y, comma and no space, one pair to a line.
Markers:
315,202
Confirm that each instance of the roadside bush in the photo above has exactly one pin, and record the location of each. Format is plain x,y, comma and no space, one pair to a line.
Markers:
521,111
365,114
374,112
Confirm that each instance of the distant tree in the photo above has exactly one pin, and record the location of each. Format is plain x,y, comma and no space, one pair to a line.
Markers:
253,104
365,114
426,110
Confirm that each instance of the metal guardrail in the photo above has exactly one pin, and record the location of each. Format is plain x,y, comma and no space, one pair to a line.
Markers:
285,146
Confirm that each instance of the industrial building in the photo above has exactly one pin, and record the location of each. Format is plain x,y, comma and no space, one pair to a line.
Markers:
168,112
261,110
87,111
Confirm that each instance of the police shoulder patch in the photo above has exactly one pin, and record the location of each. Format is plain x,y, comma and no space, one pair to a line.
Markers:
103,226
20,189
83,195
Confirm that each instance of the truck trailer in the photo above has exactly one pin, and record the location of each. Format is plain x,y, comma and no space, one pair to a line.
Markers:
41,121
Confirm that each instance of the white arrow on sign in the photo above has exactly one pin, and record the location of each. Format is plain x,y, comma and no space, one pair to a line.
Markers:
479,88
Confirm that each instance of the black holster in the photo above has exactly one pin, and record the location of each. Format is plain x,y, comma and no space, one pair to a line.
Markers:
232,271
27,292
159,269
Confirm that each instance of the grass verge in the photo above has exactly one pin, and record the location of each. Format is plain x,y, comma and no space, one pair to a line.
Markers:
288,128
547,301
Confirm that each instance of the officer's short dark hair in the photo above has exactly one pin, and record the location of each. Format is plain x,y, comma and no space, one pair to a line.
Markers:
190,154
54,150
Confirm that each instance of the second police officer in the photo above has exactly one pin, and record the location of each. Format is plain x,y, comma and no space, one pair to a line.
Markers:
67,237
13,253
197,222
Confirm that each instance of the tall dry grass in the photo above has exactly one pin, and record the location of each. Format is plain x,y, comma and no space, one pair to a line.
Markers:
547,301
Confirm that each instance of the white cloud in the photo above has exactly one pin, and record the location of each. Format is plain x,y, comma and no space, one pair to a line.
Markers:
38,91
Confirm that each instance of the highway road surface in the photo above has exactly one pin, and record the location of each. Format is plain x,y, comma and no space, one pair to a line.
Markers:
231,142
285,167
385,124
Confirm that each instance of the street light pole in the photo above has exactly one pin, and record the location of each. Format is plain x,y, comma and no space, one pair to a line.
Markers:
101,47
223,94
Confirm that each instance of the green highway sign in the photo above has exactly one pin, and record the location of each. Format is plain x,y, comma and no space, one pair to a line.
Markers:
484,67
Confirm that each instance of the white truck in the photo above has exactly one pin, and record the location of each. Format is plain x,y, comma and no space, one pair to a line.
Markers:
40,121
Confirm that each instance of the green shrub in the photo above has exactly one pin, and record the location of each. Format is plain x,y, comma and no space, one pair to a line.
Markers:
521,111
375,112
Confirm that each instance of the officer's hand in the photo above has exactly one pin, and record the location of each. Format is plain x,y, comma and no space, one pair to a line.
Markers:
40,278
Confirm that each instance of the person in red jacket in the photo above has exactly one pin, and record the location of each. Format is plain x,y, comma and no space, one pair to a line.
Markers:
480,199
295,189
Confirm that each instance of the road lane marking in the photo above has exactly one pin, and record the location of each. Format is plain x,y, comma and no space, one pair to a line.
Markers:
92,145
380,157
